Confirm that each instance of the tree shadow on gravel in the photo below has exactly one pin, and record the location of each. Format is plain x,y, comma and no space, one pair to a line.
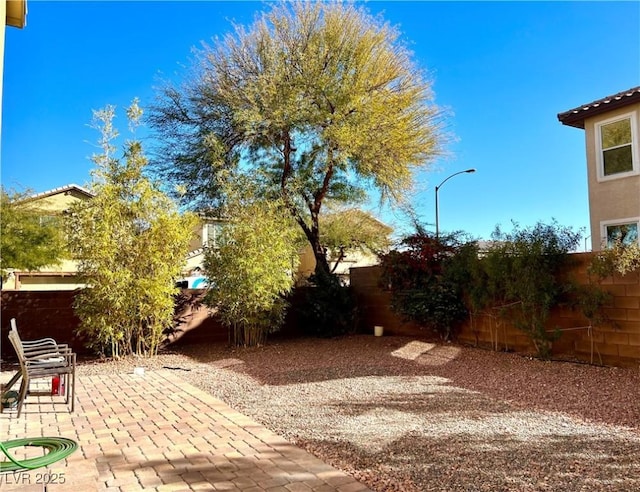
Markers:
312,359
285,375
465,462
446,401
600,394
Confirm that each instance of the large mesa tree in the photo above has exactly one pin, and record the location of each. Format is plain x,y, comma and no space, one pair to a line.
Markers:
318,100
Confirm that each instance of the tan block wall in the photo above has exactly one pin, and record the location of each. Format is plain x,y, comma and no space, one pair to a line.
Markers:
50,314
39,315
616,344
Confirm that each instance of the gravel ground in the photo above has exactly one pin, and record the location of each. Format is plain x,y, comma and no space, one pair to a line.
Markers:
407,415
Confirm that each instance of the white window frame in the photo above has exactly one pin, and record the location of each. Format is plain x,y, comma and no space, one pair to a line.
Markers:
216,235
205,234
635,152
606,223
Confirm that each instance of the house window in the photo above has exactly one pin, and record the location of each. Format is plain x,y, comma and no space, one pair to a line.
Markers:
48,220
617,141
212,237
624,232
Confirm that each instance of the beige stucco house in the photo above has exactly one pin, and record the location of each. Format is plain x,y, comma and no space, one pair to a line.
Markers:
352,259
612,135
207,233
63,276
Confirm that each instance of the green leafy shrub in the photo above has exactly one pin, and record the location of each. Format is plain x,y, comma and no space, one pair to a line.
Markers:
130,241
328,308
523,270
591,300
426,277
31,238
250,272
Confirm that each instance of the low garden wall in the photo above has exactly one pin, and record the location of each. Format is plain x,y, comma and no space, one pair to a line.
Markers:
39,314
614,343
42,314
50,314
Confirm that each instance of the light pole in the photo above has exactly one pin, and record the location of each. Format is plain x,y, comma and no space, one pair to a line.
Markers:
440,186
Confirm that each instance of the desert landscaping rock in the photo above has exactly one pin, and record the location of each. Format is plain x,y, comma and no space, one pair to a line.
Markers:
406,415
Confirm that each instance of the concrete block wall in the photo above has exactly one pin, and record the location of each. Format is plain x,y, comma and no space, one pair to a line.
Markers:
614,343
42,314
39,315
374,304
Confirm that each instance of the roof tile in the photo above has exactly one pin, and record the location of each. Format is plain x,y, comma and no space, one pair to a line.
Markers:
575,117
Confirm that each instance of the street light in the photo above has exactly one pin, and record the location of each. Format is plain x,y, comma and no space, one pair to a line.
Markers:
440,186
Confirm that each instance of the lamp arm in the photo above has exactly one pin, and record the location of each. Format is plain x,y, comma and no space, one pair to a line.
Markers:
449,177
440,186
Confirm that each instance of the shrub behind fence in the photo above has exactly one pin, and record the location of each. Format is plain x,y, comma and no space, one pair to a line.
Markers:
615,343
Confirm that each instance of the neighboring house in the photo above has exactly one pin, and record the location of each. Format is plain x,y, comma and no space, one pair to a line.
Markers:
352,259
207,234
612,133
63,276
342,261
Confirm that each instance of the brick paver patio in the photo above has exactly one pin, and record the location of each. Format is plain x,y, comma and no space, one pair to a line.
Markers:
156,432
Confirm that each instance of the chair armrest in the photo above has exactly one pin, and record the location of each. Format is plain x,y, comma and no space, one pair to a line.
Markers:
35,351
61,361
36,357
43,342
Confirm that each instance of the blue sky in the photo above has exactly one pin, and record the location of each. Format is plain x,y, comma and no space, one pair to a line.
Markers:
503,70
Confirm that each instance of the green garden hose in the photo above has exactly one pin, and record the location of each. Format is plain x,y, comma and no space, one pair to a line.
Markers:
58,447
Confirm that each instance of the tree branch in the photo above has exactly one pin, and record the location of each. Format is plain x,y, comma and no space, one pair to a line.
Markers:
340,258
286,154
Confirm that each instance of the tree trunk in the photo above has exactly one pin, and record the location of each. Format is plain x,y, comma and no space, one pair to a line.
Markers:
322,265
313,236
312,233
